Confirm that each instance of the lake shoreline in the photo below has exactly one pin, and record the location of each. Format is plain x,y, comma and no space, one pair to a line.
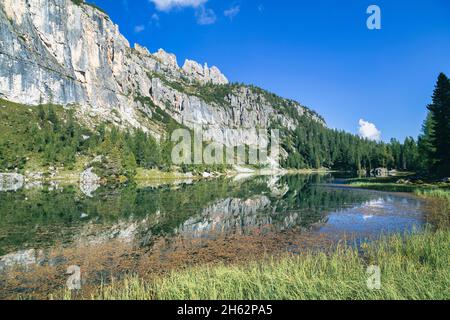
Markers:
72,177
396,184
424,255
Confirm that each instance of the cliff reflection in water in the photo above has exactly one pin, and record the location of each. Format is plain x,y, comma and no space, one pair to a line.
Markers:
35,219
281,203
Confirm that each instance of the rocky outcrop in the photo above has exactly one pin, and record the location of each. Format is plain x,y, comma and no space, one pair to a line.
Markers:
204,74
24,259
74,55
167,59
89,182
11,181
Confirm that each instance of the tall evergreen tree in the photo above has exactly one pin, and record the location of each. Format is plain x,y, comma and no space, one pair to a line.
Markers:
426,148
409,155
440,114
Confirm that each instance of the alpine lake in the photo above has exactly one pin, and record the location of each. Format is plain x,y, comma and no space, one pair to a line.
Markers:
152,228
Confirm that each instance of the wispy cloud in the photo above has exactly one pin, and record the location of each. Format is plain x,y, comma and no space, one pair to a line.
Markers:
369,131
139,28
154,20
205,16
155,17
232,12
167,5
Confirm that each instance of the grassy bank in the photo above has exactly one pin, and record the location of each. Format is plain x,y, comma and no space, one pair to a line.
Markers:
437,207
413,267
147,174
438,194
397,184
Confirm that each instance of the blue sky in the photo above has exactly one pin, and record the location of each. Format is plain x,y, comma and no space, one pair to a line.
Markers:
320,53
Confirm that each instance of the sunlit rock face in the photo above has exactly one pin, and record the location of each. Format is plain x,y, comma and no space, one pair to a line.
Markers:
56,51
74,55
204,74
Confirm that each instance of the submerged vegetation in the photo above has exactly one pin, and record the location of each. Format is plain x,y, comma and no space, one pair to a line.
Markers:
47,217
414,267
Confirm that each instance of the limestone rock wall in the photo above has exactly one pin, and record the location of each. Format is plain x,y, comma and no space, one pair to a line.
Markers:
54,51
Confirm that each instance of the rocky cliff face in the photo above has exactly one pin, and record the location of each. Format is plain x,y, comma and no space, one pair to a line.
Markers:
56,51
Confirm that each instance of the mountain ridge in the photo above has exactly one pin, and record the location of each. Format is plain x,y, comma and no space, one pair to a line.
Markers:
70,54
76,55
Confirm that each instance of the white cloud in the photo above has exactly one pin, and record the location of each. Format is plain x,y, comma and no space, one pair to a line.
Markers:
139,28
167,5
369,130
232,12
205,16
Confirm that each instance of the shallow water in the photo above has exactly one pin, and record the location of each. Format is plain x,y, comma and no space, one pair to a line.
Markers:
42,218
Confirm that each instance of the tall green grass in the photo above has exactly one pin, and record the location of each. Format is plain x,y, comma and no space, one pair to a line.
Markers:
435,193
388,187
437,207
413,267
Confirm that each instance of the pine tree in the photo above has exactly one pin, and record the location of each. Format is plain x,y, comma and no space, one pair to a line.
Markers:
409,154
395,148
440,135
41,112
426,148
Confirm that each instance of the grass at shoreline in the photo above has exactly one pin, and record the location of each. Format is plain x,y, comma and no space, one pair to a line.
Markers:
146,174
395,184
388,187
438,207
413,267
435,194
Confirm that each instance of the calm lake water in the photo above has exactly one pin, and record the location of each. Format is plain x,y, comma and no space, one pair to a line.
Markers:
50,216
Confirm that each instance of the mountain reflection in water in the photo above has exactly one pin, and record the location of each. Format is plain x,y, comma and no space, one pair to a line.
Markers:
41,218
